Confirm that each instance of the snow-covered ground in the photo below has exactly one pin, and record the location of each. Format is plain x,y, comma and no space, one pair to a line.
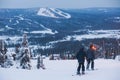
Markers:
92,34
63,70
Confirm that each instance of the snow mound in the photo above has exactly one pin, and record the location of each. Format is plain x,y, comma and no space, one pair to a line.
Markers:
118,58
53,13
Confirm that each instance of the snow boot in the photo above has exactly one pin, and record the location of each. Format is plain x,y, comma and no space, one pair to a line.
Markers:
78,73
83,72
92,68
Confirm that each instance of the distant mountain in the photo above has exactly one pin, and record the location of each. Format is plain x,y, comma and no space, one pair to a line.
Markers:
50,25
53,13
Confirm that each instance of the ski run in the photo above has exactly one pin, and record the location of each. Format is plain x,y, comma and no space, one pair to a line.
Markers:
107,69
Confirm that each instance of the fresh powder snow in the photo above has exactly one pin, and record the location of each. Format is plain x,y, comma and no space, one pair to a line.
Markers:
107,69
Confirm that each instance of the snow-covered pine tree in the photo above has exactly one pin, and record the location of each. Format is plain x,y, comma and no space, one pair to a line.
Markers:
24,54
9,60
24,41
17,51
40,63
5,58
3,51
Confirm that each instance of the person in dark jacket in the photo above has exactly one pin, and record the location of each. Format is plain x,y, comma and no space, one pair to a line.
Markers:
90,57
81,54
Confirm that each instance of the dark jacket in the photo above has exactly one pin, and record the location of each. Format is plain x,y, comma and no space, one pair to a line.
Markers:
81,54
90,54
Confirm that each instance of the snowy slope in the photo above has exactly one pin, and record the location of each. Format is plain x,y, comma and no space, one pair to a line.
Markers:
45,31
54,13
63,70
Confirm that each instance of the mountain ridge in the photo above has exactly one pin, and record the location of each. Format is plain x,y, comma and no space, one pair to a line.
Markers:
53,13
16,22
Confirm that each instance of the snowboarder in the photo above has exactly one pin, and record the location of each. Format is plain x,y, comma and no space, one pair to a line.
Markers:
91,57
40,62
81,54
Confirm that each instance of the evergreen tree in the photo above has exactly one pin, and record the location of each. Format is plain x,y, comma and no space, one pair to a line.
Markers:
6,59
23,54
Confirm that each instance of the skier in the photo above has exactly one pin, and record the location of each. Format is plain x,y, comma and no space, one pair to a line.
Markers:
40,62
90,57
81,54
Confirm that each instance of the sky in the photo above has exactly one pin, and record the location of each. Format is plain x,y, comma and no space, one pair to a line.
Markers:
58,3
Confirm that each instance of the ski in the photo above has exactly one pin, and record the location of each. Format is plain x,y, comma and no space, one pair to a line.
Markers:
91,69
79,74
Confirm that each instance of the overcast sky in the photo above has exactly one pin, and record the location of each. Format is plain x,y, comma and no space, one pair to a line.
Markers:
58,3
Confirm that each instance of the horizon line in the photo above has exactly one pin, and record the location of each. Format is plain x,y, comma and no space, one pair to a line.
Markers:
54,7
